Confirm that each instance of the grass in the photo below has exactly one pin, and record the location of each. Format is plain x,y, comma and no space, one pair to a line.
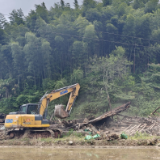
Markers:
70,136
141,136
71,132
50,139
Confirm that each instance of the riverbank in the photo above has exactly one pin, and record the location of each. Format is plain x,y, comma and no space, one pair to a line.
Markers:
74,141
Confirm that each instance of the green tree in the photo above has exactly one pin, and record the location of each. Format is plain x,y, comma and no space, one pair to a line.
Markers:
121,9
87,4
76,76
80,24
107,2
7,61
76,4
90,38
31,20
138,4
17,17
62,4
151,5
46,55
18,60
92,14
2,37
110,68
79,54
42,12
34,58
3,21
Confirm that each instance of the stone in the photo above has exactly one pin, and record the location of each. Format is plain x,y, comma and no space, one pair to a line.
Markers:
70,142
85,120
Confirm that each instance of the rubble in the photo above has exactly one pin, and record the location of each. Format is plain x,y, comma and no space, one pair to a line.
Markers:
108,127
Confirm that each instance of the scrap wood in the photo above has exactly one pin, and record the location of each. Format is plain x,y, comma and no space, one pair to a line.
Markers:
151,126
142,129
127,128
112,112
125,116
153,113
135,129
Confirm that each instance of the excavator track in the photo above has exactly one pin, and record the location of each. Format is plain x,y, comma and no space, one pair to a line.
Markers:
31,133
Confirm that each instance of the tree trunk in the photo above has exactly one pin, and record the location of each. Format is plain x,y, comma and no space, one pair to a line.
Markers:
108,97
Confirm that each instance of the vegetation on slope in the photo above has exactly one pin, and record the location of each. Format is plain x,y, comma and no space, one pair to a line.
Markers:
111,48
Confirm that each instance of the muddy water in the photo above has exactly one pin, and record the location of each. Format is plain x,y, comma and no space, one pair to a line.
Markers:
8,153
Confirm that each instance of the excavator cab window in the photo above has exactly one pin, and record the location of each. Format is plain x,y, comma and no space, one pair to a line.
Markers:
23,109
32,109
29,109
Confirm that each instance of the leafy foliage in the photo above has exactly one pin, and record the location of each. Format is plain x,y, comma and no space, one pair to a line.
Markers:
49,49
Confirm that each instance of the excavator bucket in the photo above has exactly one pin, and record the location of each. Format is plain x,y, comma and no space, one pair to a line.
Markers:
59,112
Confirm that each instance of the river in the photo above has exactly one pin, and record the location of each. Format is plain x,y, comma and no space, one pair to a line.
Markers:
28,153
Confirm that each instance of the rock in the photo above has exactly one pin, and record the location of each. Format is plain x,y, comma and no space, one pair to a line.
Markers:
70,142
112,137
152,141
107,132
85,120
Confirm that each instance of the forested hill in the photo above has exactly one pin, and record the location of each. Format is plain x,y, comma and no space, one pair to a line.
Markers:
112,48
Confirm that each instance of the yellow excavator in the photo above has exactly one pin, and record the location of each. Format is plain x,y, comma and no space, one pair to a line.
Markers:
32,116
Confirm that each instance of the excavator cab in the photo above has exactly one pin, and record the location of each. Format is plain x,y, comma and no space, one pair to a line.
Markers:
29,108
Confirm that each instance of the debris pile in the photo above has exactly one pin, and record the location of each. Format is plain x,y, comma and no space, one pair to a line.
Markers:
109,127
148,125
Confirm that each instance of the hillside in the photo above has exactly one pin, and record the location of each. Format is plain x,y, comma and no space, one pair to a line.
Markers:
111,48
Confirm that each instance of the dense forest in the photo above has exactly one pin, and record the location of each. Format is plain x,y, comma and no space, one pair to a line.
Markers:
111,48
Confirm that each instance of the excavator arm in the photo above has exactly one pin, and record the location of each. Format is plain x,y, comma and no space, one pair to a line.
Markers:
44,101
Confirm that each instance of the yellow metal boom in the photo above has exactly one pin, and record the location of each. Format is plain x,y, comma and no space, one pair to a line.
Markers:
73,90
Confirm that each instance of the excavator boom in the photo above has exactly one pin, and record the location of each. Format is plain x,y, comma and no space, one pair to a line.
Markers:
59,111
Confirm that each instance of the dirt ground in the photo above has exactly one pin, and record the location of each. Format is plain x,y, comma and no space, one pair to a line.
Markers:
72,141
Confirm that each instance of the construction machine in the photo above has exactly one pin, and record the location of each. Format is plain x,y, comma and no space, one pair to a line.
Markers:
32,117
